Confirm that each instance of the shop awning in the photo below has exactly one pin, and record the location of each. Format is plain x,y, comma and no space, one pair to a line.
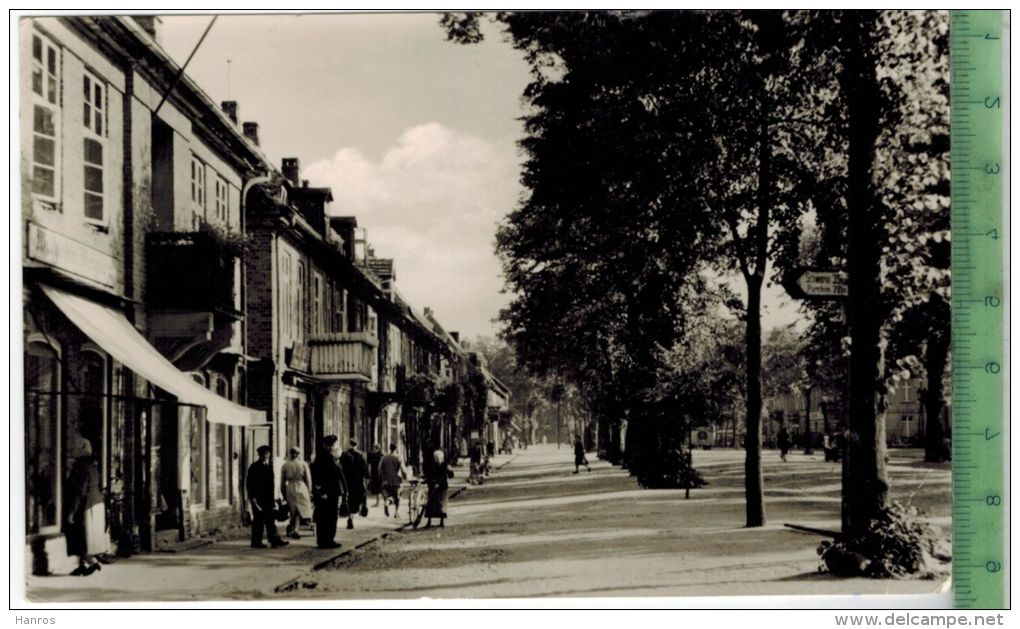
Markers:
110,330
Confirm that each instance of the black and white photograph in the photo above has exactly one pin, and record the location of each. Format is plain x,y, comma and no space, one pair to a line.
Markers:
586,304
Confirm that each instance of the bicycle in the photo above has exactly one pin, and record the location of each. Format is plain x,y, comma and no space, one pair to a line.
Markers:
415,502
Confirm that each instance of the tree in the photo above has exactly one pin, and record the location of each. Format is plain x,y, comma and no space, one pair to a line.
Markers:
601,250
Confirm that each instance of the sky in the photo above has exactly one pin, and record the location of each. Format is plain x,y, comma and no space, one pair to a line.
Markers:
416,136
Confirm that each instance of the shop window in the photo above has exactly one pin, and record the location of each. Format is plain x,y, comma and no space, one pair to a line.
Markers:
92,405
45,120
197,450
219,454
42,441
293,423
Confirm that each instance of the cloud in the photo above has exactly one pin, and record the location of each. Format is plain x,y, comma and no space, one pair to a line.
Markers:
432,202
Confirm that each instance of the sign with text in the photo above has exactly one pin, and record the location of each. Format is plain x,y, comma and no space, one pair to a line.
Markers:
818,284
69,255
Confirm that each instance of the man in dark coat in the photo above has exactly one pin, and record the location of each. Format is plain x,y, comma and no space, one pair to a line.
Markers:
783,441
579,455
327,487
261,486
355,469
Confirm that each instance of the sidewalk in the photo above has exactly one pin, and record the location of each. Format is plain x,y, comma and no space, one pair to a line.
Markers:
224,569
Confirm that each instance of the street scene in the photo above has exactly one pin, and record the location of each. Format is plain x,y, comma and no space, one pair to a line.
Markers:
482,305
534,530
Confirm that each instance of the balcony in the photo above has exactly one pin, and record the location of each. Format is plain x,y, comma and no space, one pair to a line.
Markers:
194,271
343,356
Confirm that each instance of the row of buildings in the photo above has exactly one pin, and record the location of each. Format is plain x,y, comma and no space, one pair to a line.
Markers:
186,301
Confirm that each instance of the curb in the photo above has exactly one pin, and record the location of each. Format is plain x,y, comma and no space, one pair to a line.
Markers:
295,583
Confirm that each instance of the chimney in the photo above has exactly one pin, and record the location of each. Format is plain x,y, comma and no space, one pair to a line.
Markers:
251,131
455,336
428,311
304,183
229,107
150,24
291,166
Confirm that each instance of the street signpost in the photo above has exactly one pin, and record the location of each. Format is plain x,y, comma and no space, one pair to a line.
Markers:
814,283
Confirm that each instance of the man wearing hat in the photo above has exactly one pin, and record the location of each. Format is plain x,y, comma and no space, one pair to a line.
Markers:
327,487
261,487
355,468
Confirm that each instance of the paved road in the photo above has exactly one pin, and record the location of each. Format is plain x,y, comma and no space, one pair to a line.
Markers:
537,530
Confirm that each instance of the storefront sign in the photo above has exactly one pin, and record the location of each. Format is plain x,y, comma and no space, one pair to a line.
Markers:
69,255
299,357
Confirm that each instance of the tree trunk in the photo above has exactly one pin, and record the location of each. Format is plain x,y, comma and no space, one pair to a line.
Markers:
752,463
865,485
935,356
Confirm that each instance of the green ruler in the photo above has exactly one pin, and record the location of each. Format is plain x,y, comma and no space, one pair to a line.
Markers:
980,373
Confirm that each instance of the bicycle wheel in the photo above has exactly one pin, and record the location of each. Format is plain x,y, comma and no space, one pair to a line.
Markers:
419,507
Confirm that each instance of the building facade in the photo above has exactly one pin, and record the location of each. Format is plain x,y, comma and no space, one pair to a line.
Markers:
125,174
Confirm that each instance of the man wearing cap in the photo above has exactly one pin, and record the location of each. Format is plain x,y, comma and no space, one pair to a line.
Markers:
355,468
327,487
260,487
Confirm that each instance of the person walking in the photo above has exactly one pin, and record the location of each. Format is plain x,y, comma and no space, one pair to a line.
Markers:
86,512
296,488
391,474
375,455
476,464
261,488
783,441
437,477
327,488
579,455
355,470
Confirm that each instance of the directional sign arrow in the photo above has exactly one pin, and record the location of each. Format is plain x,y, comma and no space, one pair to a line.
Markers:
817,284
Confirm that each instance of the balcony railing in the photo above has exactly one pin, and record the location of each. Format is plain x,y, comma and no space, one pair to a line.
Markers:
343,355
191,271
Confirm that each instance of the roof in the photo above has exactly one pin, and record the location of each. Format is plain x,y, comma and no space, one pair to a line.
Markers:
382,267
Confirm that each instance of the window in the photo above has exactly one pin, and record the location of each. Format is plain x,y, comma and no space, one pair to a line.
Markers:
94,120
45,119
299,302
317,304
42,439
92,406
222,202
197,191
286,299
337,311
219,454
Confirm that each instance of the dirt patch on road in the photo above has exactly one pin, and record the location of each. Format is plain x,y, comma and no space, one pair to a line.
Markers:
397,552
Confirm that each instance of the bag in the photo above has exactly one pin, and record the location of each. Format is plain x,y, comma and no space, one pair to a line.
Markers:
364,510
345,510
282,511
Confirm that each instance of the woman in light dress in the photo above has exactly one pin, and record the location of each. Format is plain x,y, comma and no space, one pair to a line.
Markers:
295,485
86,512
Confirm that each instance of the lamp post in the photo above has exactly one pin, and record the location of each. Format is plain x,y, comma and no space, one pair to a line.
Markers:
807,420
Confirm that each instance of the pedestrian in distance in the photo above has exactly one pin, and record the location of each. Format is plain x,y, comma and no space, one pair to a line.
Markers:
391,474
783,442
490,448
86,512
579,455
261,496
355,469
296,488
327,488
375,456
476,464
437,477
